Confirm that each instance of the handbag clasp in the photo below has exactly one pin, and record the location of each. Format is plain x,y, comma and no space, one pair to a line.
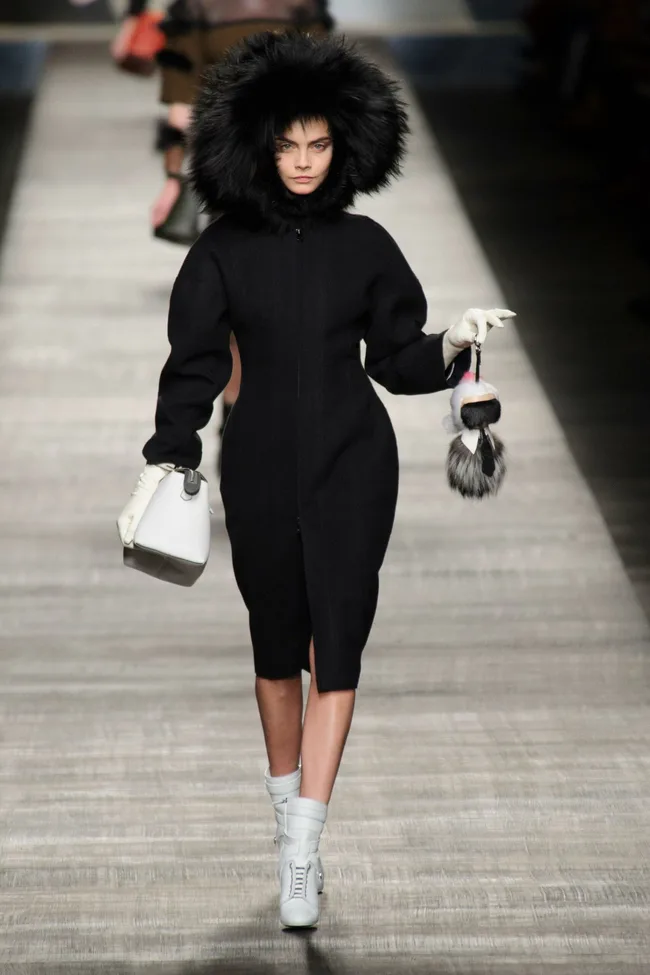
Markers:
191,483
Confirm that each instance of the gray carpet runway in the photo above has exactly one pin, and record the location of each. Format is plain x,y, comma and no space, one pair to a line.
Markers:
491,814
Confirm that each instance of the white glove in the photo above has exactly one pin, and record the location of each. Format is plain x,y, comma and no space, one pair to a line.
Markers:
472,327
141,495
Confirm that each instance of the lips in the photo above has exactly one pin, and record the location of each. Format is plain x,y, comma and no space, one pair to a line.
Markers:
303,179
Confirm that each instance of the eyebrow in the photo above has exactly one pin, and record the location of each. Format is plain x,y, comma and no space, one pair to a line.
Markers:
324,138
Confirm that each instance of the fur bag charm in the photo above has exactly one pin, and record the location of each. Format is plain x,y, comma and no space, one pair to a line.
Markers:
476,459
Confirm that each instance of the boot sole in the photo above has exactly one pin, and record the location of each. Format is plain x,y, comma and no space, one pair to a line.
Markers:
293,926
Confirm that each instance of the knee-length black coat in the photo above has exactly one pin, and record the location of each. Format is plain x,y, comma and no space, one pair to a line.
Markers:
309,463
309,459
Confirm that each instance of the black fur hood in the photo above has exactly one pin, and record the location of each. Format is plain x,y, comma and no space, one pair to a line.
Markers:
263,86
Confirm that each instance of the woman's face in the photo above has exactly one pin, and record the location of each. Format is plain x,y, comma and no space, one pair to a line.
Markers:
304,155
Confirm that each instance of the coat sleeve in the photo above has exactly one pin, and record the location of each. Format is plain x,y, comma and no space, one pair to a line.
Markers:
199,364
399,354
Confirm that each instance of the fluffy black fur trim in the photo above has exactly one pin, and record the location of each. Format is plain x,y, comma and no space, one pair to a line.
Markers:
265,84
466,472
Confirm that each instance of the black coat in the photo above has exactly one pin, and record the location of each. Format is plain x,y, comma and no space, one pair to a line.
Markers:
309,462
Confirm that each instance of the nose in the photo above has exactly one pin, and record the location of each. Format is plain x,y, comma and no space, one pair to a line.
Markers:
303,160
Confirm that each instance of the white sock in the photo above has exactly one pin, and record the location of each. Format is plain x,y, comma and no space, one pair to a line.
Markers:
283,787
305,818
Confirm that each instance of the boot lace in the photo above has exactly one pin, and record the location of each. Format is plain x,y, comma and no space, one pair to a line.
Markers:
299,872
299,876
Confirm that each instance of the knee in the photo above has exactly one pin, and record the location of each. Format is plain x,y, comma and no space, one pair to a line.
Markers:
179,116
280,687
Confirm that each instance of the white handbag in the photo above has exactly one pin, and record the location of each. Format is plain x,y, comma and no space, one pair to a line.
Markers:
172,540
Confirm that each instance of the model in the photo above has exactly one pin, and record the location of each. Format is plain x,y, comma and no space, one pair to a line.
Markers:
288,130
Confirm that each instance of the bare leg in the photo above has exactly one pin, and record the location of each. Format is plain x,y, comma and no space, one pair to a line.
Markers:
231,392
179,116
328,717
321,740
280,707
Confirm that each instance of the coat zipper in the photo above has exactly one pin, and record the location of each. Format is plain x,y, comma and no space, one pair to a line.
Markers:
300,239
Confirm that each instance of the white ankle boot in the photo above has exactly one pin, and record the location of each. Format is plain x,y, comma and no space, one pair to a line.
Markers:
281,788
299,862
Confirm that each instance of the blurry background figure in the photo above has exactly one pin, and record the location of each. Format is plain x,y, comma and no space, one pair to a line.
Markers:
138,42
196,34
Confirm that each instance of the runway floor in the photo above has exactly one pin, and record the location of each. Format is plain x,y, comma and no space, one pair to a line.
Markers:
492,810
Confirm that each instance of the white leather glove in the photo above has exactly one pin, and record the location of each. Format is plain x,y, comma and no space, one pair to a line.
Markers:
472,327
141,495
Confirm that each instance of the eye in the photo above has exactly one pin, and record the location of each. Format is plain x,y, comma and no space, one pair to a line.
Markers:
320,146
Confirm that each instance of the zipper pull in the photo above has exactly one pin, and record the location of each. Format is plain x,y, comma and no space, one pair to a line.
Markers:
299,234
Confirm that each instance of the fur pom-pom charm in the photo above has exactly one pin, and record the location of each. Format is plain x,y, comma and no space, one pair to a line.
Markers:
480,474
476,463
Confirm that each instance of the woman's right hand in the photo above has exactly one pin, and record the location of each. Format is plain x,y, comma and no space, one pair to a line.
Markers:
122,40
141,495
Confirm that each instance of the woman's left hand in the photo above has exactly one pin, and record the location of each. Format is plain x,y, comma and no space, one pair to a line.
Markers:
474,326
